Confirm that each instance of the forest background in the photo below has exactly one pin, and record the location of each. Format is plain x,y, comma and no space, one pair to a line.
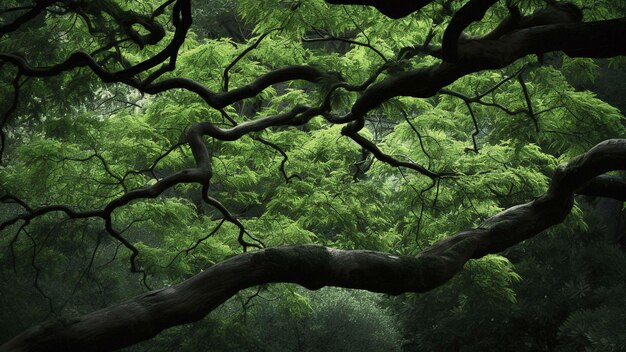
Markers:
142,150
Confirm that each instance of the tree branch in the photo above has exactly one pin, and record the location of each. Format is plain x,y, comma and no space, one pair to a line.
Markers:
588,39
33,12
389,8
316,266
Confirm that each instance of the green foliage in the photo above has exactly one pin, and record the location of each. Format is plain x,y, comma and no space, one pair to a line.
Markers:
565,294
600,329
87,143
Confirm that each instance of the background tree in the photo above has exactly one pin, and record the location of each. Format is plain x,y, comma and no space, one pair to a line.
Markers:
389,135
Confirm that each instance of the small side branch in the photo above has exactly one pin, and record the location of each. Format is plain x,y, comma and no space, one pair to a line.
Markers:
386,158
325,37
529,104
241,56
197,243
476,129
282,162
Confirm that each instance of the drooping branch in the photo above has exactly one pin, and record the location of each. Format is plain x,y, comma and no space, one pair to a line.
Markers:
151,169
476,129
316,266
470,100
196,243
282,162
386,158
478,99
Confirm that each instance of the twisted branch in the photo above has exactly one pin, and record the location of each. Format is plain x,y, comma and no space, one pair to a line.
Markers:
316,266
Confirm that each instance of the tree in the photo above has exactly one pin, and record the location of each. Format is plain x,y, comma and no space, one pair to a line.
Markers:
295,98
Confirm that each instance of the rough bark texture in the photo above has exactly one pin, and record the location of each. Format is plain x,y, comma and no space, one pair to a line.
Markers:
315,266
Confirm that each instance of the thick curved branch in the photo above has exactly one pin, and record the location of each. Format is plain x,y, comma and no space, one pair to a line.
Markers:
389,8
472,11
316,266
589,39
596,39
199,175
299,115
605,186
126,19
223,99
